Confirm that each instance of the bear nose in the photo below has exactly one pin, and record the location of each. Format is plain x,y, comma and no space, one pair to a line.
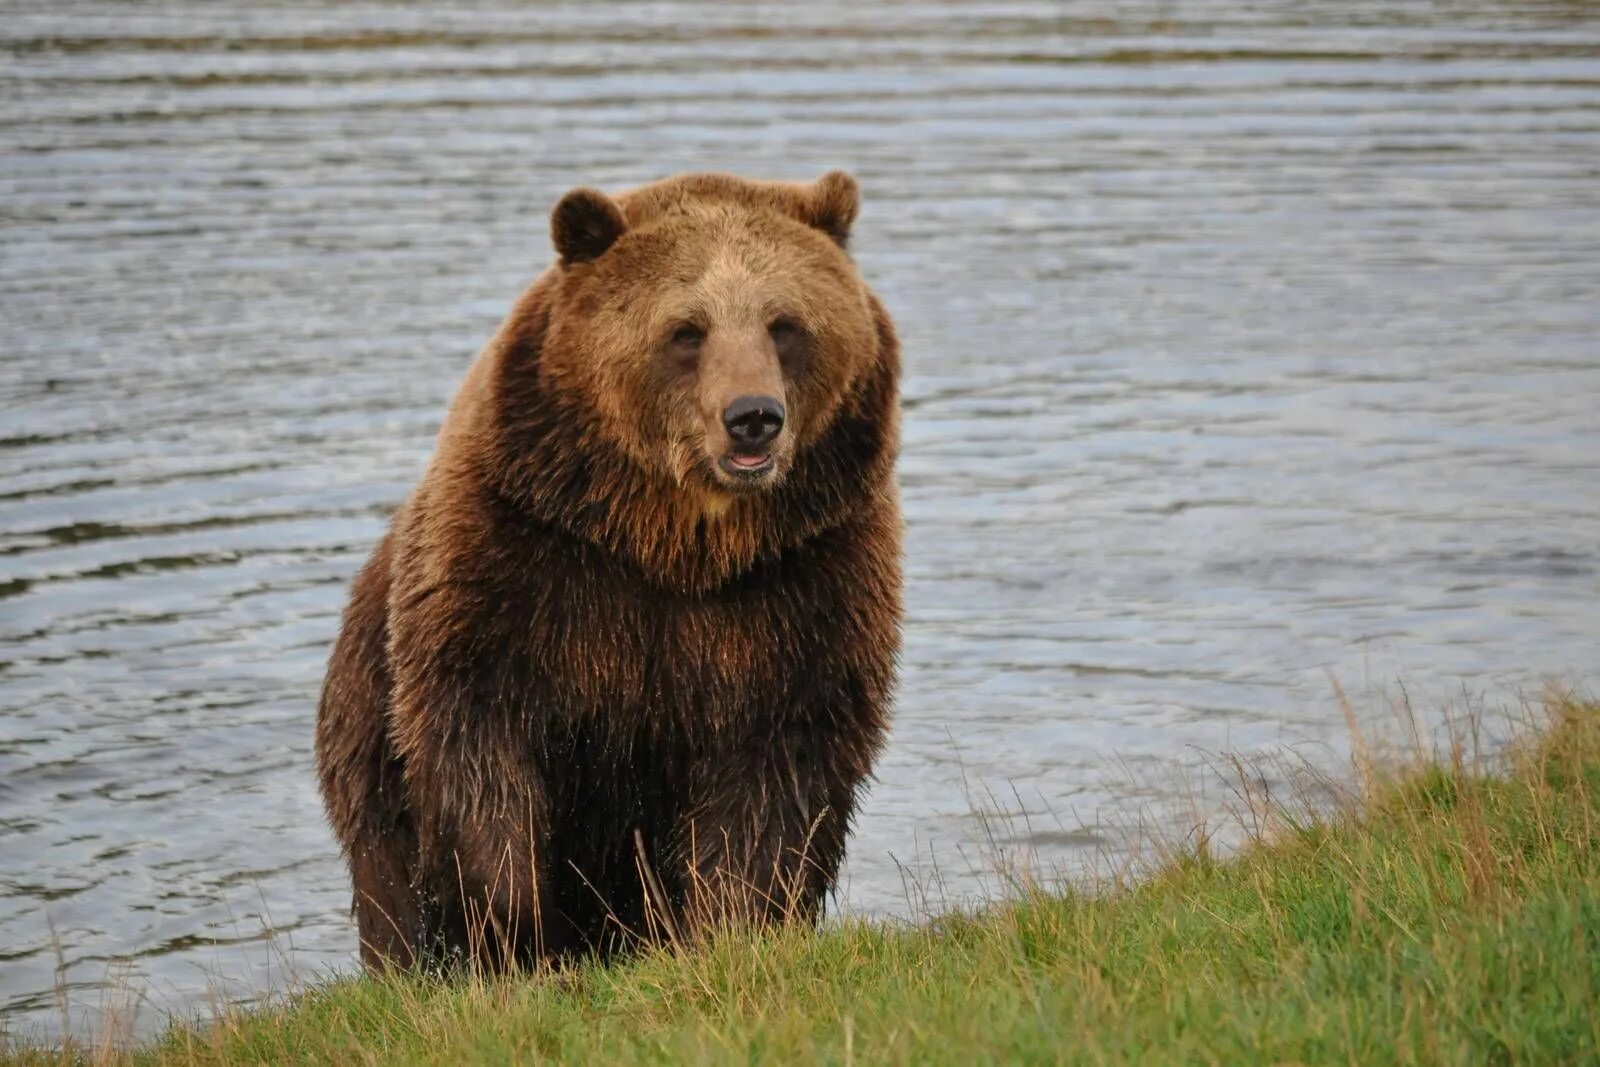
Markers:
753,421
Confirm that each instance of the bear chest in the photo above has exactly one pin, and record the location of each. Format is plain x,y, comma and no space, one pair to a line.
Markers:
599,643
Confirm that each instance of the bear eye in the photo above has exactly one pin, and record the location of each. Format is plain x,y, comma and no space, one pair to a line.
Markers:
687,335
784,329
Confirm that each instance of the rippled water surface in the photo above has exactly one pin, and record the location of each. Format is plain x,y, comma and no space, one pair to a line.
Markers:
1247,343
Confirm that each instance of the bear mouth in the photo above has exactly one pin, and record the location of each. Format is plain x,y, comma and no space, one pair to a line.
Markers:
747,468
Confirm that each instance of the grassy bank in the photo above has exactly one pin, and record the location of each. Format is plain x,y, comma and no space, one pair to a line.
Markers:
1451,916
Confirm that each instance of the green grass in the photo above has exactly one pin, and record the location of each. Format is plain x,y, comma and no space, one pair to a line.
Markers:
1450,916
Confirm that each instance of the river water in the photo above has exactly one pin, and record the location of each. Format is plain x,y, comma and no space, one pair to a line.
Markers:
1250,346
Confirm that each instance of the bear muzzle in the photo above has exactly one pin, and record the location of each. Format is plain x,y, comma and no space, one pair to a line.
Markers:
753,423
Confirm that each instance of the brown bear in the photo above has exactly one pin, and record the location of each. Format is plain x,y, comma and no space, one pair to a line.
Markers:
622,663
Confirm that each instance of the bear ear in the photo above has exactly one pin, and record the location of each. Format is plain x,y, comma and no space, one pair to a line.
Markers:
584,224
832,204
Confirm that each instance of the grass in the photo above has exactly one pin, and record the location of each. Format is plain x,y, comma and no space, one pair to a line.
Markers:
1448,912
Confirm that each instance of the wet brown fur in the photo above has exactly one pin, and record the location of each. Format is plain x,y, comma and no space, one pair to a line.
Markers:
585,692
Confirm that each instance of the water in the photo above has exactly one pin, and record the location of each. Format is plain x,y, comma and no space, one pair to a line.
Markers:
1247,344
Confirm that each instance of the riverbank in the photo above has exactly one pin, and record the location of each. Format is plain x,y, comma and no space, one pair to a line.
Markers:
1450,914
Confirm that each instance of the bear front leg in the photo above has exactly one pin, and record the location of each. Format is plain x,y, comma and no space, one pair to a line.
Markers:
482,828
360,776
458,723
764,840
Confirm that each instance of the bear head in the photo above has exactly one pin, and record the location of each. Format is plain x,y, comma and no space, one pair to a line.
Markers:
702,377
716,323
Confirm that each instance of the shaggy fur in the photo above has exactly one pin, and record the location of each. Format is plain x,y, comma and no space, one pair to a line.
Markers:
587,690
